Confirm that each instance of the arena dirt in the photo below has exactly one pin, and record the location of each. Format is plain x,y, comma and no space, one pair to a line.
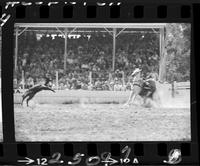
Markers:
101,122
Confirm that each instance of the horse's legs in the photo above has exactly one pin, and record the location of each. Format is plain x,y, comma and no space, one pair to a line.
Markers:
133,98
147,101
23,98
144,100
29,98
130,98
157,99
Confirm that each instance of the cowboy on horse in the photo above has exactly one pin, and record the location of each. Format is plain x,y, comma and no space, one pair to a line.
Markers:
144,88
30,93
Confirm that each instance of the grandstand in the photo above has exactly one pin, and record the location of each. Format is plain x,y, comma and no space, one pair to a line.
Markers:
86,55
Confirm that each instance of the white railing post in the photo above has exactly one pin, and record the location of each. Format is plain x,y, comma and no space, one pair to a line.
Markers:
23,80
57,80
90,77
123,79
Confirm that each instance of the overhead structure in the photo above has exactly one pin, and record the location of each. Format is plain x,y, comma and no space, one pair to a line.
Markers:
112,28
92,25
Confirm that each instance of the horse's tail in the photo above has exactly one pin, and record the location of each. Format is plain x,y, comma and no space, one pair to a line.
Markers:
24,95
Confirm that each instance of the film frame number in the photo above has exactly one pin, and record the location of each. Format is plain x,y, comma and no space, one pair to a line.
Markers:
126,150
55,159
105,158
42,161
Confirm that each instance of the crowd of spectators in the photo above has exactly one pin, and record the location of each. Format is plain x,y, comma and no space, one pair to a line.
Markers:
88,60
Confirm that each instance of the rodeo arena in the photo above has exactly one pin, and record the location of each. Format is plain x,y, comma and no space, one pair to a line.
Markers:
102,82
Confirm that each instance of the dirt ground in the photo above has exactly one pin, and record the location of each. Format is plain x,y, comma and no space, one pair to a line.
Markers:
101,122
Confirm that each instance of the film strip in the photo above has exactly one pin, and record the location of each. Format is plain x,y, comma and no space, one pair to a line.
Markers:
30,137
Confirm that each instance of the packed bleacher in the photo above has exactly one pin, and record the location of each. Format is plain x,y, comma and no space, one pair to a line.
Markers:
89,60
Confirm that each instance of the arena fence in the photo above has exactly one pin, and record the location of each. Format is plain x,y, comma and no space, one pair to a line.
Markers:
176,86
92,77
77,96
182,98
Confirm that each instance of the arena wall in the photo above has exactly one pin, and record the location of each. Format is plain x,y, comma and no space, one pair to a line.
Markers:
182,98
77,96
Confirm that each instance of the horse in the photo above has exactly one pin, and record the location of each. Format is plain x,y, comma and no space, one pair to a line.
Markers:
30,93
143,88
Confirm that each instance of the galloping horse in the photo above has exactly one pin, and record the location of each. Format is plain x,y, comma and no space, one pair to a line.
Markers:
144,88
30,93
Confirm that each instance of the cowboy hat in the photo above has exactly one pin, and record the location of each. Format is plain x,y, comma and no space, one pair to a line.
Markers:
137,70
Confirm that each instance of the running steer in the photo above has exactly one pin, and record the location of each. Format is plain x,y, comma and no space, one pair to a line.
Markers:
30,93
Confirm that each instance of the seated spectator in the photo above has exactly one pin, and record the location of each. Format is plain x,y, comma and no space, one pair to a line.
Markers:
98,85
30,82
118,86
15,85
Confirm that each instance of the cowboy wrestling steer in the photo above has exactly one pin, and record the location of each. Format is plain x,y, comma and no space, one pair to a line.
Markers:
144,88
